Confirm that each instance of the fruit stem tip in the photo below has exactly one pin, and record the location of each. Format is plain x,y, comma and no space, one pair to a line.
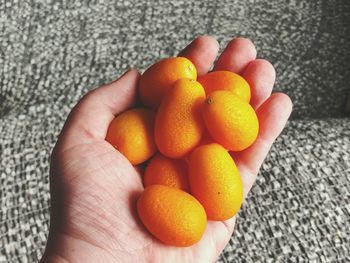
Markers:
210,100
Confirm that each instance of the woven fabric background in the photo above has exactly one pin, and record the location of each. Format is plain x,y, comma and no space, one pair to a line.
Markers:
52,52
299,208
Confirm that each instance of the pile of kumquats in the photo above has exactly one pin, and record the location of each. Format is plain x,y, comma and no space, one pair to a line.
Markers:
184,133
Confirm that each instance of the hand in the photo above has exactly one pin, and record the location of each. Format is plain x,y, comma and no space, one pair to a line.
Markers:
94,188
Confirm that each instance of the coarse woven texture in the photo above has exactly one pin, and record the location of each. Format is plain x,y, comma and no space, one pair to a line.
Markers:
52,51
298,209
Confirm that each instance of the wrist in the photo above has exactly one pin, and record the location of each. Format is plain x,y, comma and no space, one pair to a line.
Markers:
51,251
52,258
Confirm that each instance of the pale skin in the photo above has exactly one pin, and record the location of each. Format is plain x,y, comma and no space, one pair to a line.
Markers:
94,188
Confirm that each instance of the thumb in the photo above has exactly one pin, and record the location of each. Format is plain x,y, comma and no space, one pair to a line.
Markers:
90,118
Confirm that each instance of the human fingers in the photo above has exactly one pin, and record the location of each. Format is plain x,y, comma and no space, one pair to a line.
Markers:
273,115
261,76
202,52
90,118
238,53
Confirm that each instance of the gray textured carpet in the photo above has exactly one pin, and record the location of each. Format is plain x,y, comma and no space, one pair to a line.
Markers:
51,52
299,208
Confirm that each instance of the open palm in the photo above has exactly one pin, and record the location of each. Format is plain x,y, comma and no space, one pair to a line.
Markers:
94,188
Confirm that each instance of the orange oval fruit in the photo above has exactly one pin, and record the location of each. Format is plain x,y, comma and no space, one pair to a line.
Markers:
226,80
179,124
215,181
172,215
166,171
230,121
131,133
160,77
